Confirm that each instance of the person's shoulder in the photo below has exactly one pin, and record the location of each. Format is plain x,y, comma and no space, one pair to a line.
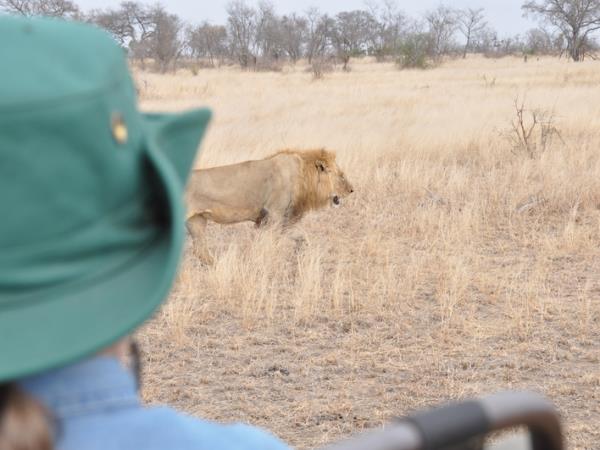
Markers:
178,430
159,428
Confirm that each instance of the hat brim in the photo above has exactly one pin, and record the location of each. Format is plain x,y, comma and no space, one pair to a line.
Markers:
43,335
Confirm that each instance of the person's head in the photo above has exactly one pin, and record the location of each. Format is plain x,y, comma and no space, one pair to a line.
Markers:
91,189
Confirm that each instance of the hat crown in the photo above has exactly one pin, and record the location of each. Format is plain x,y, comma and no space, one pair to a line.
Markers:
72,174
61,86
89,61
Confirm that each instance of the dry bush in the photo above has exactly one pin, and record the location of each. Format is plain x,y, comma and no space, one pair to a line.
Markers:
196,65
268,65
319,66
532,130
489,82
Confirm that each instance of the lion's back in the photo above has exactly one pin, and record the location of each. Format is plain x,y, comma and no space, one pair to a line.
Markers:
267,183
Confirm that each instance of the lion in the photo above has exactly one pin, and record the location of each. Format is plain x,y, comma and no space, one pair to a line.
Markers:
278,189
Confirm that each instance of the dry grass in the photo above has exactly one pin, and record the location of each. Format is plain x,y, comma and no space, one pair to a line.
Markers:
457,268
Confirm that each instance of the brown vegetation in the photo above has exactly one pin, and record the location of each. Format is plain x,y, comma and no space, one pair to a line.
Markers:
458,267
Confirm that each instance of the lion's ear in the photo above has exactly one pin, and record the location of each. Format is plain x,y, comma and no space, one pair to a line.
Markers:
321,165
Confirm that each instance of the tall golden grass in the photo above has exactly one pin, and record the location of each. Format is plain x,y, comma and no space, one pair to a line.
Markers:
460,261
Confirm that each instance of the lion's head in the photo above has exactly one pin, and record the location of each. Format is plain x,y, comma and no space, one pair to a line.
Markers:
323,182
336,186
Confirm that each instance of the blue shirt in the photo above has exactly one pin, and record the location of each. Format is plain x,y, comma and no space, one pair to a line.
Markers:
96,406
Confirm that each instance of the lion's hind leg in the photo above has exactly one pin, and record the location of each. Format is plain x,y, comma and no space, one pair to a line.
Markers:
262,219
196,226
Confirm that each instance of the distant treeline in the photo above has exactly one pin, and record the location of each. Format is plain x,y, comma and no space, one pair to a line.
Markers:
259,38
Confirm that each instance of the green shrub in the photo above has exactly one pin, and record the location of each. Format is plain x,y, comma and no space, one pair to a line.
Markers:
415,52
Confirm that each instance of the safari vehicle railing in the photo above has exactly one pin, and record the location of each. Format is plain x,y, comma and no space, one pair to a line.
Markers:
464,425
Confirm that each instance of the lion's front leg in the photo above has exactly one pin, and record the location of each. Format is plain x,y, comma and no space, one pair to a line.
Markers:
196,226
291,219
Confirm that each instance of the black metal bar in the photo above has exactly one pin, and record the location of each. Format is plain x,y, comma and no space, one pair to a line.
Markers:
509,409
455,423
450,425
396,436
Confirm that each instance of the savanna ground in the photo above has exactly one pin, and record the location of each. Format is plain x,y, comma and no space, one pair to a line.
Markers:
460,266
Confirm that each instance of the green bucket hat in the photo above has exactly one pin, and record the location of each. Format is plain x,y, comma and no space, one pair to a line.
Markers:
91,192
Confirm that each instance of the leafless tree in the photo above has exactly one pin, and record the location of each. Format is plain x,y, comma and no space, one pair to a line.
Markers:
484,41
350,34
165,43
115,22
389,23
139,17
208,41
470,23
509,45
317,35
293,33
241,28
575,19
267,31
442,24
416,49
539,41
50,8
132,24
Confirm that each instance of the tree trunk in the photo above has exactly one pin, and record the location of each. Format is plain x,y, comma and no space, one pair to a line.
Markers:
467,45
575,46
345,59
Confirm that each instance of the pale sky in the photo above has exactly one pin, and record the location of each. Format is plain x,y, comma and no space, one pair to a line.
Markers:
504,15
